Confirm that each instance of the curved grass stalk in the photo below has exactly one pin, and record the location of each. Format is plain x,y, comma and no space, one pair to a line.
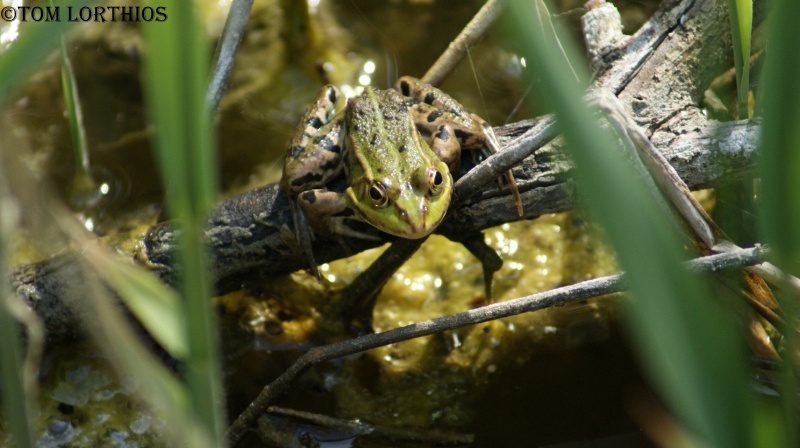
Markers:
82,183
176,79
779,170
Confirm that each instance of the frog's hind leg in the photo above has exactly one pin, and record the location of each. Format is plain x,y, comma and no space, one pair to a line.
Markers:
325,211
320,112
490,261
447,148
471,130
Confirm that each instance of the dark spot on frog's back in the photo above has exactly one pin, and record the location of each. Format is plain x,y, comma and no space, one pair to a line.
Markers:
332,95
442,135
315,121
430,98
402,149
405,89
326,144
295,151
329,165
402,107
308,178
435,115
462,135
309,196
375,139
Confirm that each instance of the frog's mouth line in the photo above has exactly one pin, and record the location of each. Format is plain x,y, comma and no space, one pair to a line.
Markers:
414,230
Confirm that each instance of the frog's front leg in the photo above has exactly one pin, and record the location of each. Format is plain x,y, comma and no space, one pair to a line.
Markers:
313,209
326,211
319,206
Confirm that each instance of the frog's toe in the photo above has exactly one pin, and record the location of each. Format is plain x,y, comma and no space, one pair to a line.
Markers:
309,253
303,237
338,227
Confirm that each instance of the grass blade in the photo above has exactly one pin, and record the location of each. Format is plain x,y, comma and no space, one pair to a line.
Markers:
154,304
158,385
779,165
741,13
684,338
83,182
779,170
176,78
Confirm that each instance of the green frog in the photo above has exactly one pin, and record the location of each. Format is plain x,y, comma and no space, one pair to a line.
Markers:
397,150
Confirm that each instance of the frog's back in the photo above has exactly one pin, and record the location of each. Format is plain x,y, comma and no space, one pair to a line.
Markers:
384,136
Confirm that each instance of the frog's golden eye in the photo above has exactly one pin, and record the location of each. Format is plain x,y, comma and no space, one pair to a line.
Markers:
436,181
377,193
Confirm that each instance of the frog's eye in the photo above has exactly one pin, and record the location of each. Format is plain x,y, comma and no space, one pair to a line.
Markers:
436,181
377,193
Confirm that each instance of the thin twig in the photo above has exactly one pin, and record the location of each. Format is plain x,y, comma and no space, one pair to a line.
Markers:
554,297
438,438
511,155
228,45
471,33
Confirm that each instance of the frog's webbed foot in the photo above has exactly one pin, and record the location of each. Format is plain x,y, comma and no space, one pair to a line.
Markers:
304,236
491,262
340,230
494,147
